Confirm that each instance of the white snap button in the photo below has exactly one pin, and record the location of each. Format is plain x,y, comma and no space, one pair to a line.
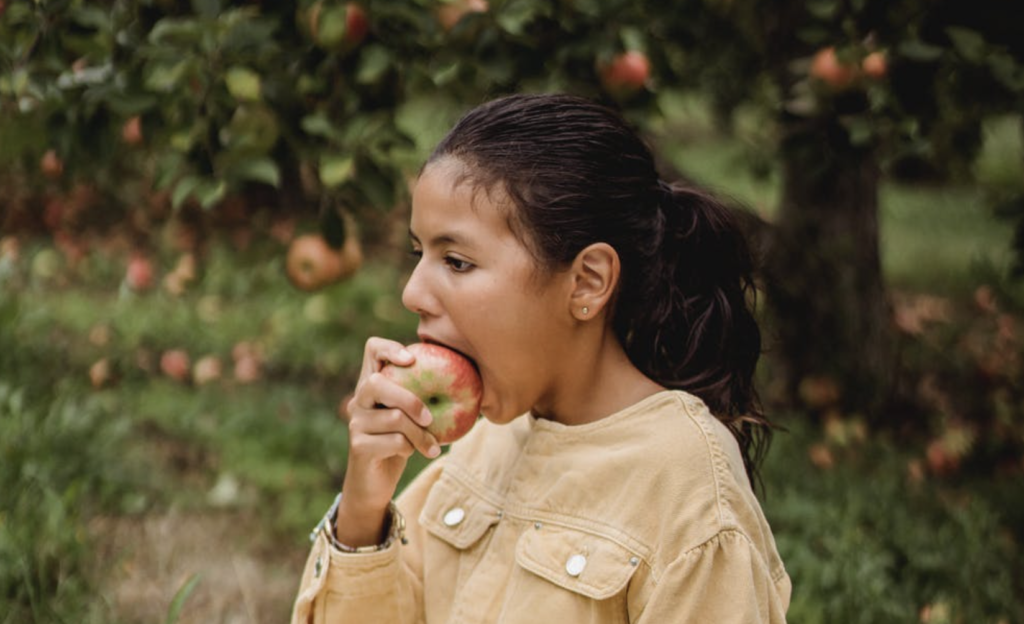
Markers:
634,561
574,566
454,516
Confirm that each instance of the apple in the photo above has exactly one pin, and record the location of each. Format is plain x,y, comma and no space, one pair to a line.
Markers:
827,68
312,263
100,373
176,364
51,165
821,456
248,369
940,460
99,334
131,132
874,65
139,275
10,247
626,73
208,368
356,24
447,383
451,13
985,299
340,28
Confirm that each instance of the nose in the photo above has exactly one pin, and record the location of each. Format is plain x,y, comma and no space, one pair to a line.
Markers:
416,295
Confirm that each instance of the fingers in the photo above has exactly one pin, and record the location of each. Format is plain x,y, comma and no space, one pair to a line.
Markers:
380,351
380,406
387,432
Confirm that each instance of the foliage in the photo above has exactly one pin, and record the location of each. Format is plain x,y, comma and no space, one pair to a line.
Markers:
866,540
60,462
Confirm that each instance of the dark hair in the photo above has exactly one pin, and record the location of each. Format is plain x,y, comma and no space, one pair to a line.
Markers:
577,174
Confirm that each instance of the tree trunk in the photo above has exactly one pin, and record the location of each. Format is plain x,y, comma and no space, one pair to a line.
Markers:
831,317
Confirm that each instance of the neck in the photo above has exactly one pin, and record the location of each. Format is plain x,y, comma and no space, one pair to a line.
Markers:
608,385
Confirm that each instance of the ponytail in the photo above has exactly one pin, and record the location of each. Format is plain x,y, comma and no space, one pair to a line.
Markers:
688,324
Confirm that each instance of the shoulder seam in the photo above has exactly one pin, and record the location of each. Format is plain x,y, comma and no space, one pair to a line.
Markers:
695,411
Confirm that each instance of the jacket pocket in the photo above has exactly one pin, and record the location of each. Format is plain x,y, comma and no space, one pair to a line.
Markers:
456,515
584,563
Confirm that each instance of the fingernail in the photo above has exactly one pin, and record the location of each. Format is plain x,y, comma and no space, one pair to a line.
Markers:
433,451
427,417
405,355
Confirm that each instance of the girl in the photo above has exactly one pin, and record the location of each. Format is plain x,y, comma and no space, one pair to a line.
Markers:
607,313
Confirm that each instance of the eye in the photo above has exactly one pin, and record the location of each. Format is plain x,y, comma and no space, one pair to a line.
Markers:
416,253
457,265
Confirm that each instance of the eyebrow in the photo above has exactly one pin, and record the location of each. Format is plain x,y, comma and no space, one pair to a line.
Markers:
441,239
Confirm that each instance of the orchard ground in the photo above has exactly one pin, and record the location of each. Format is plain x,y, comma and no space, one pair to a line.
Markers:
123,483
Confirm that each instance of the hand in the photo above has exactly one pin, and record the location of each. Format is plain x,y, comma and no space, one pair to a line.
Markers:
386,426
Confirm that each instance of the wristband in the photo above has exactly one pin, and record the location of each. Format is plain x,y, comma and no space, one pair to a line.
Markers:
396,530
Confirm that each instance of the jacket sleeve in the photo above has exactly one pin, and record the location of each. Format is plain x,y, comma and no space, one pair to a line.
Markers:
725,580
384,586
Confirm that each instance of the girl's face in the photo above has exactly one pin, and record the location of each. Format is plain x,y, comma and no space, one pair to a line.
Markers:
476,289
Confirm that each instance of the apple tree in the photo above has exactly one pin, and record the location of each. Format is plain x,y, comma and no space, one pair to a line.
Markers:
316,104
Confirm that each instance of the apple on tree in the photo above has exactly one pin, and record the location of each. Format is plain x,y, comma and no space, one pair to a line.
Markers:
131,131
451,13
828,68
626,73
448,384
337,27
51,165
875,65
312,263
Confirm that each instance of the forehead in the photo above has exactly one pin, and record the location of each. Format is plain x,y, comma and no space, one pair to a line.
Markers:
445,201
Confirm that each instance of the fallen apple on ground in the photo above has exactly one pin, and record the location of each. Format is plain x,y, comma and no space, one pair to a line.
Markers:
447,383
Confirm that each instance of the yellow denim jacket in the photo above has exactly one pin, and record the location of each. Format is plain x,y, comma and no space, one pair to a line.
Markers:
645,516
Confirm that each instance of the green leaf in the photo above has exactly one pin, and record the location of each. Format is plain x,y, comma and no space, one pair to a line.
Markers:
127,105
176,32
92,17
969,43
165,77
860,131
180,597
318,124
262,170
243,83
336,170
515,15
183,189
920,51
374,63
206,8
445,74
210,192
823,9
632,39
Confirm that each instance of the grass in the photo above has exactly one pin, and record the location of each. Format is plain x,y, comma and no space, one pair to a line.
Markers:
864,540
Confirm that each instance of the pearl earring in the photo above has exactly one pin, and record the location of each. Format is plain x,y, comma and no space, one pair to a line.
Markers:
585,310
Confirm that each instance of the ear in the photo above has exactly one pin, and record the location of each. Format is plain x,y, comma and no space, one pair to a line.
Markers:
595,275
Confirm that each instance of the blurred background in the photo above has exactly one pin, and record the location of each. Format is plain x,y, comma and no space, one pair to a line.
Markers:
203,215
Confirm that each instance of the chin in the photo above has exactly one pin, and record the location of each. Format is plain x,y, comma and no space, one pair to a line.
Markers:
499,416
